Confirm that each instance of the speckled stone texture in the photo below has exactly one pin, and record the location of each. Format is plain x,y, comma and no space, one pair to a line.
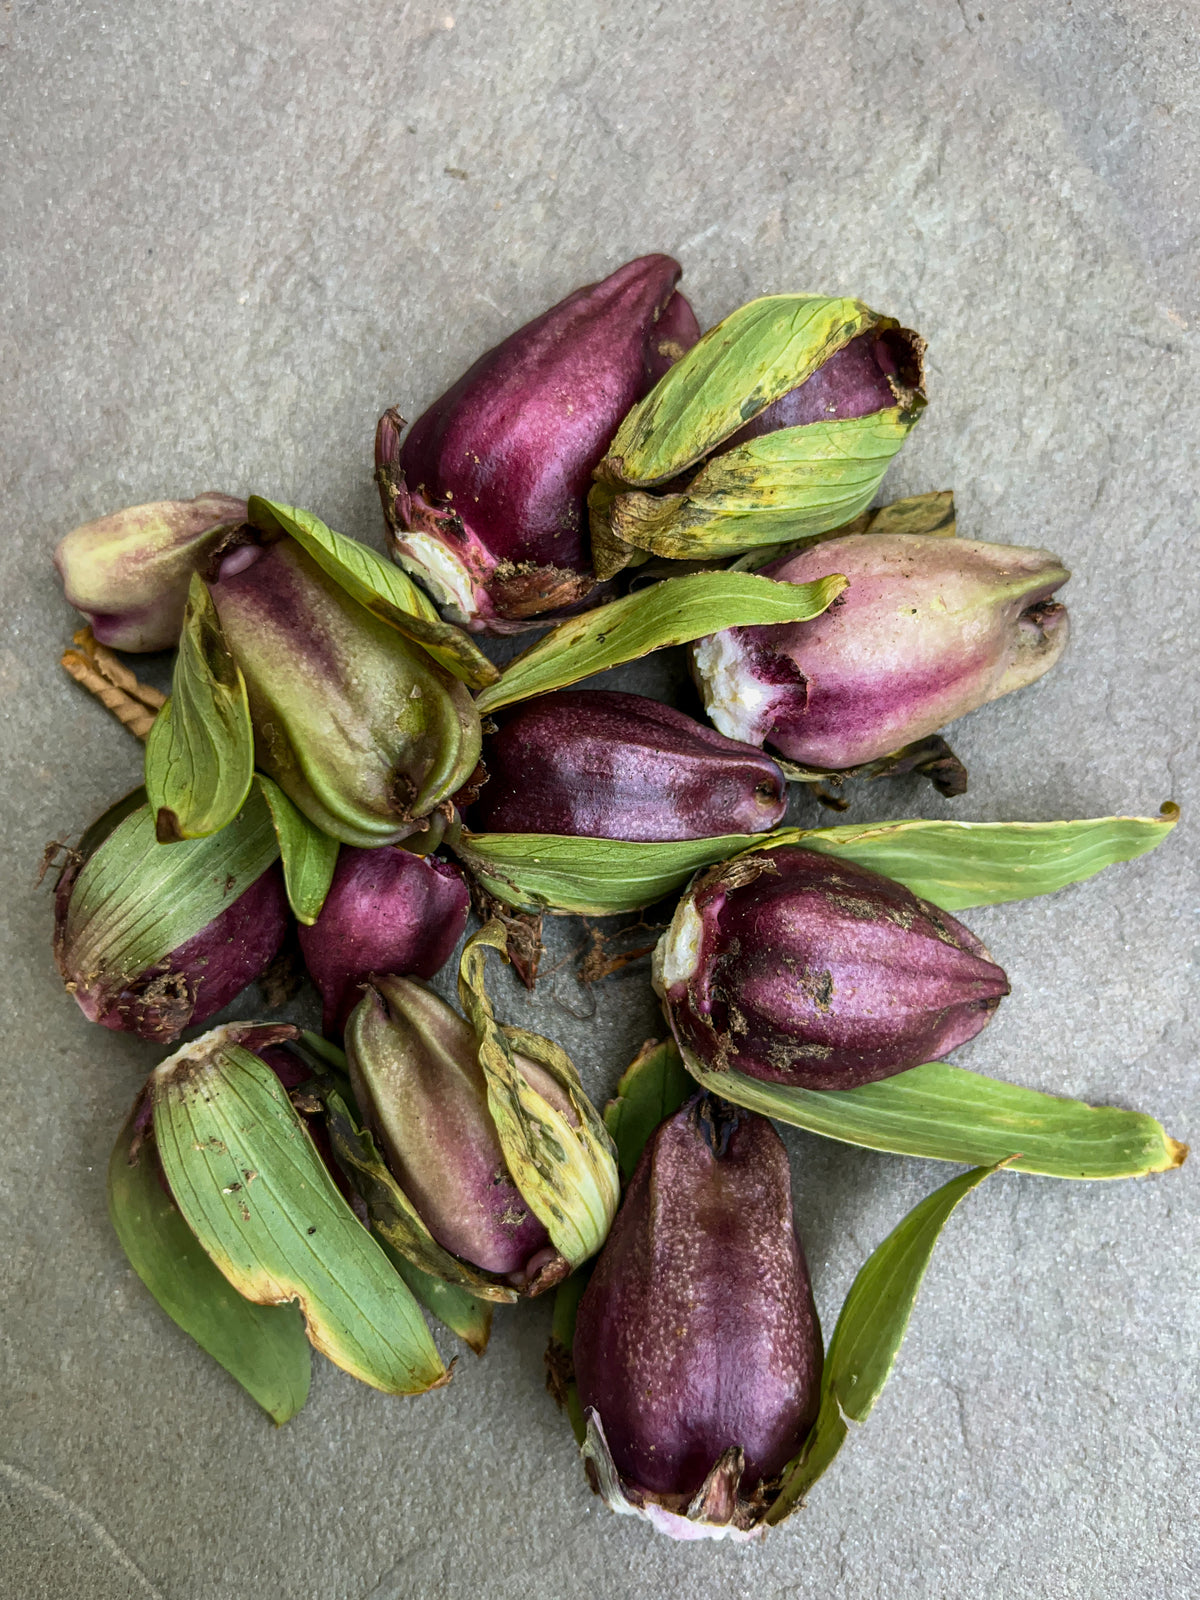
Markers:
232,235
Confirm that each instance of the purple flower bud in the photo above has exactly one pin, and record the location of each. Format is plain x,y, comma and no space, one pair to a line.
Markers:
416,1076
386,911
802,969
869,374
129,572
183,989
619,766
928,629
697,1333
485,500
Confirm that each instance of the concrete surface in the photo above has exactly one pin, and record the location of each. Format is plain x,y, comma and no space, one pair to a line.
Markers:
231,235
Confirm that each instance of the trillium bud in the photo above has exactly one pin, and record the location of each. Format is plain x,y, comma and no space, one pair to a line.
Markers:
414,1066
801,969
386,911
777,425
152,938
129,572
363,731
619,766
485,500
697,1349
928,629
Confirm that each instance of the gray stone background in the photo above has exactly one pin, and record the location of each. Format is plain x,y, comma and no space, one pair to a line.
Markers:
231,234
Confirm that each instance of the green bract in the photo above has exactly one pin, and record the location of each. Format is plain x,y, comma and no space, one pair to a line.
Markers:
200,749
251,1187
262,1347
135,900
673,612
781,486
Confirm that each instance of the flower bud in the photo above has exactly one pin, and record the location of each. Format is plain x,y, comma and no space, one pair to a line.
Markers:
619,766
129,572
485,500
798,968
386,911
928,629
360,728
151,939
779,424
697,1347
416,1075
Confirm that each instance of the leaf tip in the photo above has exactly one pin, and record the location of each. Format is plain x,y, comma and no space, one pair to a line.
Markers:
1177,1153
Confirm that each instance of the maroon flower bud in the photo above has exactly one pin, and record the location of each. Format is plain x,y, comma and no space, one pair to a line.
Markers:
697,1335
416,1075
802,969
485,500
120,900
387,910
619,766
928,629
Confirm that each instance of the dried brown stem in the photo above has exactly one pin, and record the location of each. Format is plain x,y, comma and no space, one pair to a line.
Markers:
102,673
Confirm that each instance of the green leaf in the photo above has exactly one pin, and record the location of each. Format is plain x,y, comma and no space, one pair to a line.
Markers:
869,1333
590,877
262,1347
961,864
381,587
754,356
672,612
309,855
773,490
948,1114
135,900
455,1308
200,749
254,1191
652,1088
565,1170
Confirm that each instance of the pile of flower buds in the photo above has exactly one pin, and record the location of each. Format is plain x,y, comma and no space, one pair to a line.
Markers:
341,775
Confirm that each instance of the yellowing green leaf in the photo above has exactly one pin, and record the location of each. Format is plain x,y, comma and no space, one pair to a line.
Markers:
566,1170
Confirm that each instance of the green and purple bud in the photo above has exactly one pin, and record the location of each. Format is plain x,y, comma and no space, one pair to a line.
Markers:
151,939
601,764
362,730
387,910
697,1349
797,968
928,629
486,499
129,572
414,1066
777,425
